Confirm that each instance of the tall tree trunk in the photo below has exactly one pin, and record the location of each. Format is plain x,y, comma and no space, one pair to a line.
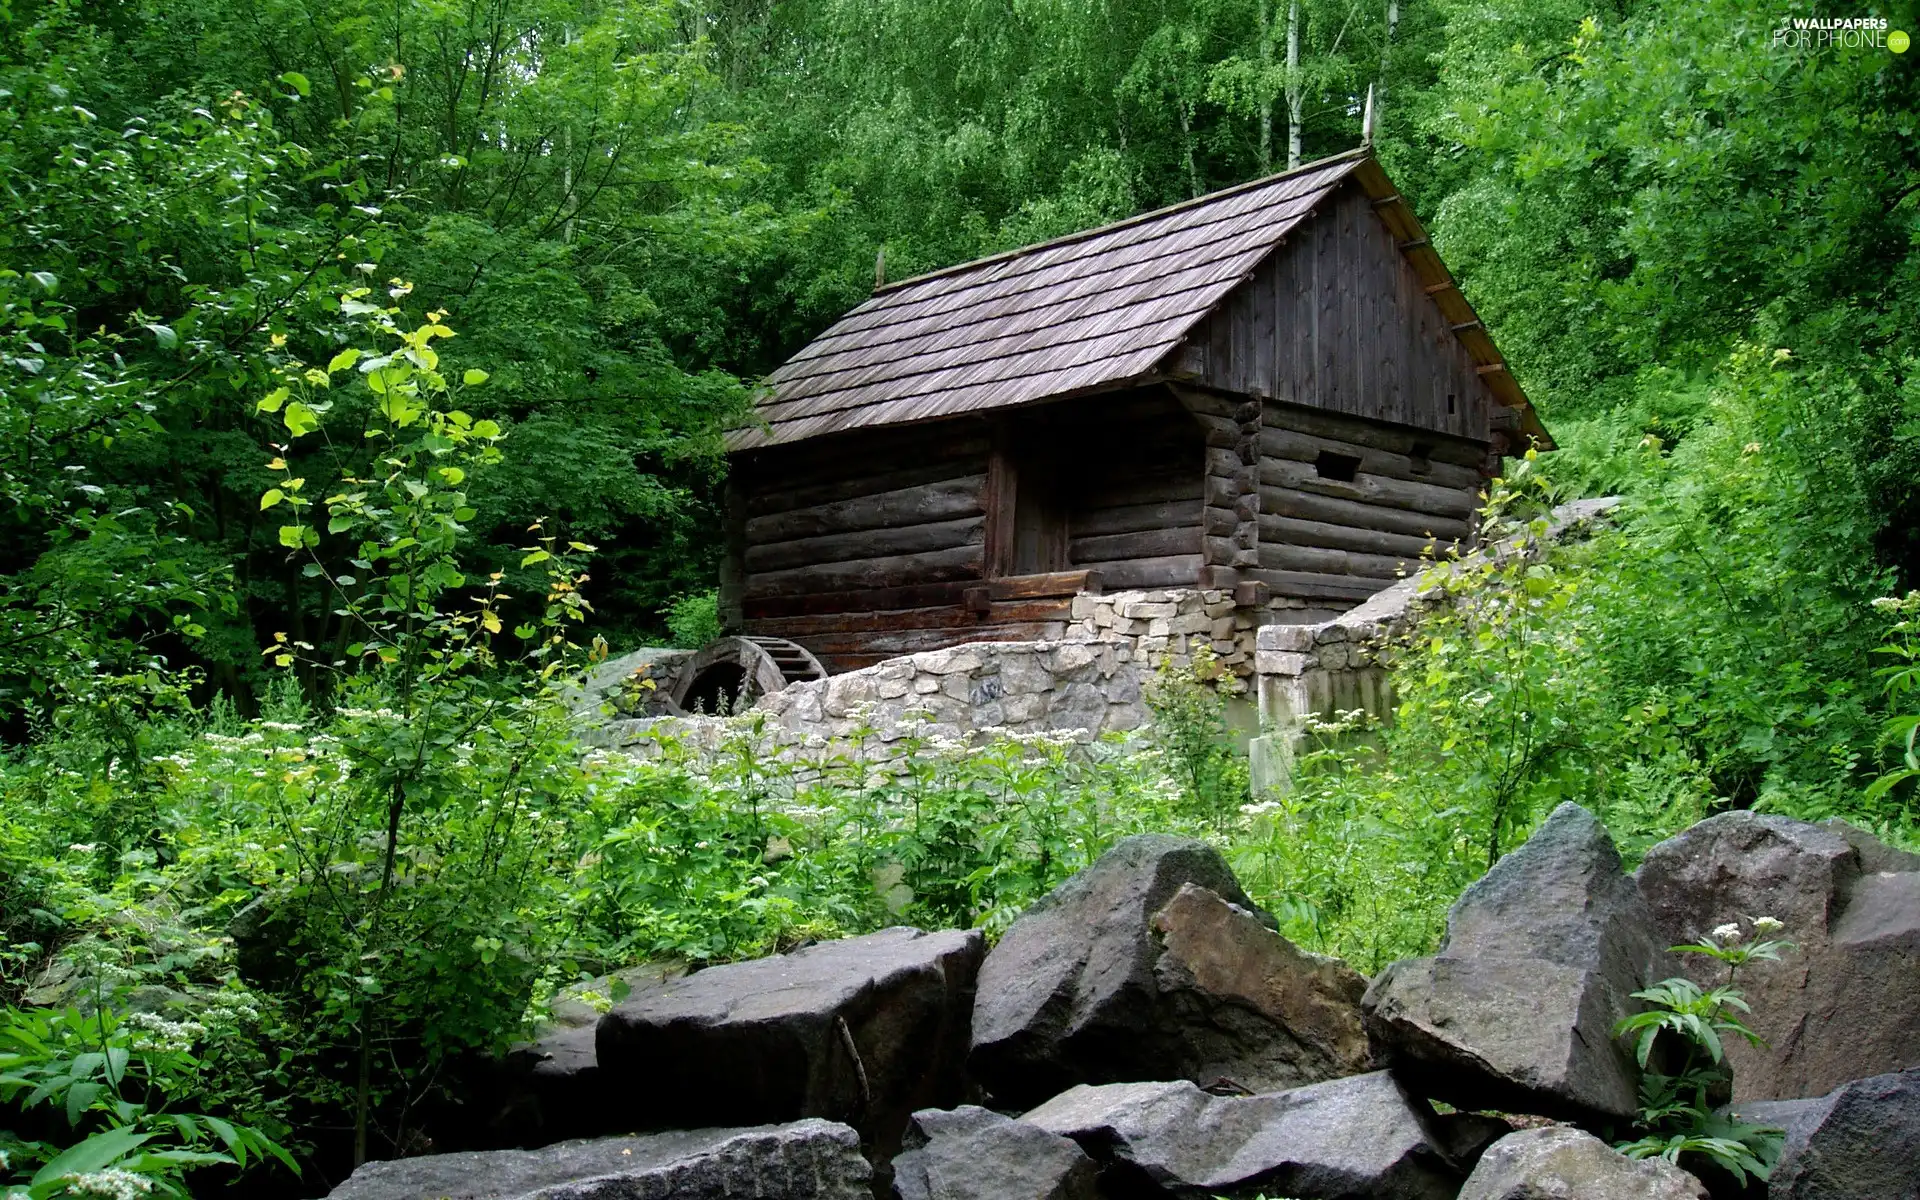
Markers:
1186,144
1266,99
1293,84
1386,57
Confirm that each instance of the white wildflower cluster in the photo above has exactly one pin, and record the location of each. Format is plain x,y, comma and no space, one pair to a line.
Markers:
223,741
1768,925
1728,934
283,726
233,1012
154,1034
112,1183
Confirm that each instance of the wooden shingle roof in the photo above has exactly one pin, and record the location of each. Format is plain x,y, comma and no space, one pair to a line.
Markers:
1086,312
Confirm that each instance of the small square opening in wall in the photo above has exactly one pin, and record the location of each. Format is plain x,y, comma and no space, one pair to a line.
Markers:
1421,458
1342,467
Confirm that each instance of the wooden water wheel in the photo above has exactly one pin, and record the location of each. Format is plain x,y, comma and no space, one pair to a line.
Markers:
730,674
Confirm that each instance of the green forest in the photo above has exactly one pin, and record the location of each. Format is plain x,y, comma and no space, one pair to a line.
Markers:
363,372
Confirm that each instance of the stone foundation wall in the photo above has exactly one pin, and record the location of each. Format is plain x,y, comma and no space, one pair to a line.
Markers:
1299,662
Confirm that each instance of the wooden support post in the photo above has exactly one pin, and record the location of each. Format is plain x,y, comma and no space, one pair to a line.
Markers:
733,562
998,502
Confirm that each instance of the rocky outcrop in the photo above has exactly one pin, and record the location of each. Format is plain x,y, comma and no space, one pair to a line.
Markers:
973,1154
1561,1163
1862,1140
865,1030
1541,959
1250,1006
1354,1137
807,1160
551,1087
1845,1001
1153,964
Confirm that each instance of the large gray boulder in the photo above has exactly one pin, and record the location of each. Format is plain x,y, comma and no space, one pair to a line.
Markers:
1845,1002
973,1154
1249,1005
807,1160
1153,964
1562,1163
1355,1137
1860,1142
864,1030
550,1087
1541,959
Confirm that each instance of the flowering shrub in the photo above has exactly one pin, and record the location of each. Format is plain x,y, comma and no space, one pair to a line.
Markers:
1680,1113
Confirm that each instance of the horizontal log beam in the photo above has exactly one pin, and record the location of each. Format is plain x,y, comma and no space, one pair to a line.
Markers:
1178,570
950,617
1281,557
944,500
1133,518
1151,543
1373,489
934,566
1051,583
1307,447
1308,585
919,595
1359,514
1446,448
866,543
767,494
1290,531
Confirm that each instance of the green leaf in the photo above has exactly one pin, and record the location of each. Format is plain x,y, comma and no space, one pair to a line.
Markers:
300,419
292,536
535,556
163,336
97,1152
341,361
271,402
298,82
46,279
473,377
272,497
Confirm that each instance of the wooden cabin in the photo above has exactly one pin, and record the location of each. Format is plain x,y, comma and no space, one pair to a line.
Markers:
1276,387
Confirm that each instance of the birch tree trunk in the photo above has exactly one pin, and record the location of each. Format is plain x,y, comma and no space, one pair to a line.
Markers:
1386,56
1293,84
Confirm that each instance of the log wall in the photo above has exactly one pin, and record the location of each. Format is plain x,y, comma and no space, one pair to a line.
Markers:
885,542
1411,494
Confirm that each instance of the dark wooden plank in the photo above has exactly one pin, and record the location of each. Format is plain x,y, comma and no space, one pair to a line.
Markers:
828,460
1311,586
865,544
1398,439
1306,447
1395,493
945,500
1295,532
1180,570
998,503
949,617
1356,514
1131,518
858,477
1276,556
1052,583
1150,543
918,595
733,565
1149,489
935,566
